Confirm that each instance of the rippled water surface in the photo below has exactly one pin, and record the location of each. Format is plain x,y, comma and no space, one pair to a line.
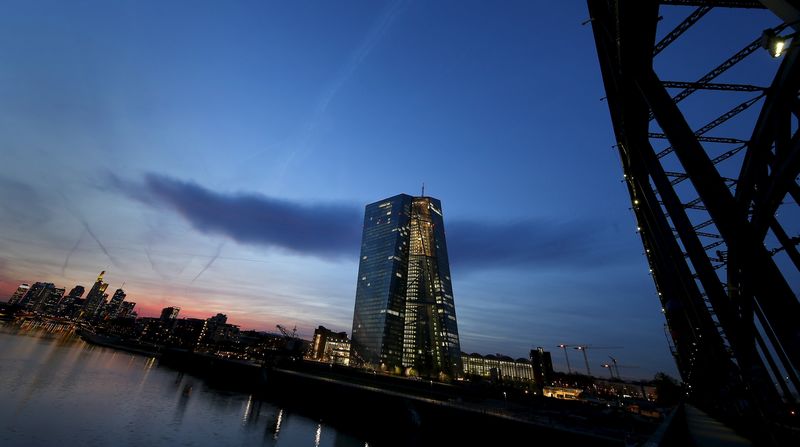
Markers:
56,389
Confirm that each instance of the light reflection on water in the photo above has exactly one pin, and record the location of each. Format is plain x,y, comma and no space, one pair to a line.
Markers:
56,389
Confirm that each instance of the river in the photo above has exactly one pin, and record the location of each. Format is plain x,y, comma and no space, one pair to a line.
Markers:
55,389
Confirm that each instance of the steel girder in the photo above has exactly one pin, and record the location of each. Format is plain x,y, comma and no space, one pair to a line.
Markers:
735,331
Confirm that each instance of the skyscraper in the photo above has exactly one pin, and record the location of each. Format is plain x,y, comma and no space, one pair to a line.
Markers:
16,297
542,365
51,300
126,309
404,312
115,304
96,297
76,291
36,296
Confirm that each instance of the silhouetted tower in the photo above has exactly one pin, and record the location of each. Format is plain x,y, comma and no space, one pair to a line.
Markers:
96,297
76,291
115,304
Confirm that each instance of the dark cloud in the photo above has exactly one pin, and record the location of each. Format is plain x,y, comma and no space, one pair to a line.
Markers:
325,230
329,230
473,244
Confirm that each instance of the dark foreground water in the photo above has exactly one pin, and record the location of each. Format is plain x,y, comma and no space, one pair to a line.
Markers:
56,390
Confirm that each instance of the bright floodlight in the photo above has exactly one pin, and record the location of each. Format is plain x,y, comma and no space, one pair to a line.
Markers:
778,48
773,43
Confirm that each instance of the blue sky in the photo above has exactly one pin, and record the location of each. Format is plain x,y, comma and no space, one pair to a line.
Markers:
217,156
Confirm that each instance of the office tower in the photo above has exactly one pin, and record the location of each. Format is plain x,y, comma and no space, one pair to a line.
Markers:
96,297
66,306
72,303
126,309
17,296
36,296
169,314
76,291
114,306
50,301
404,312
542,366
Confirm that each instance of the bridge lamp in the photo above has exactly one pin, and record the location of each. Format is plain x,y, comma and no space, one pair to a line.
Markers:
775,44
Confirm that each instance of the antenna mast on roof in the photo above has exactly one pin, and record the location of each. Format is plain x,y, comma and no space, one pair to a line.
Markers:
423,189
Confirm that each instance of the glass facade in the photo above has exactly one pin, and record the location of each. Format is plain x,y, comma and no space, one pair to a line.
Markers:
404,314
504,368
96,297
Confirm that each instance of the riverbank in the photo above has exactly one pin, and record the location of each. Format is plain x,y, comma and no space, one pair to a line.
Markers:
414,409
411,410
119,343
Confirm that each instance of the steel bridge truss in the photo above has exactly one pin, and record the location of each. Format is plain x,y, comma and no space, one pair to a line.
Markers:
720,256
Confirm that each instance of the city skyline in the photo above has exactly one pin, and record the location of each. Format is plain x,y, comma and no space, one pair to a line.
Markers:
119,119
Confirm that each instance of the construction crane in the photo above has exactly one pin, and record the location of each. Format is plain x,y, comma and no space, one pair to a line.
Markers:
584,348
287,334
564,347
610,369
293,345
614,367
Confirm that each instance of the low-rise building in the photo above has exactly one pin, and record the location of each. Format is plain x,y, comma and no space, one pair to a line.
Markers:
329,346
561,392
498,367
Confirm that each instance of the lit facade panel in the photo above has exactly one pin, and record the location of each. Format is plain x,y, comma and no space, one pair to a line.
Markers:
500,368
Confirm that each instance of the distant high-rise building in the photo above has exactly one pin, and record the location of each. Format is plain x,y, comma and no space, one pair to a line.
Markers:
115,304
169,314
542,365
67,306
36,297
404,312
17,296
96,297
126,309
51,300
72,303
76,291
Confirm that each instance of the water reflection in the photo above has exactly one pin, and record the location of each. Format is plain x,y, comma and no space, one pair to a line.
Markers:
58,390
275,428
